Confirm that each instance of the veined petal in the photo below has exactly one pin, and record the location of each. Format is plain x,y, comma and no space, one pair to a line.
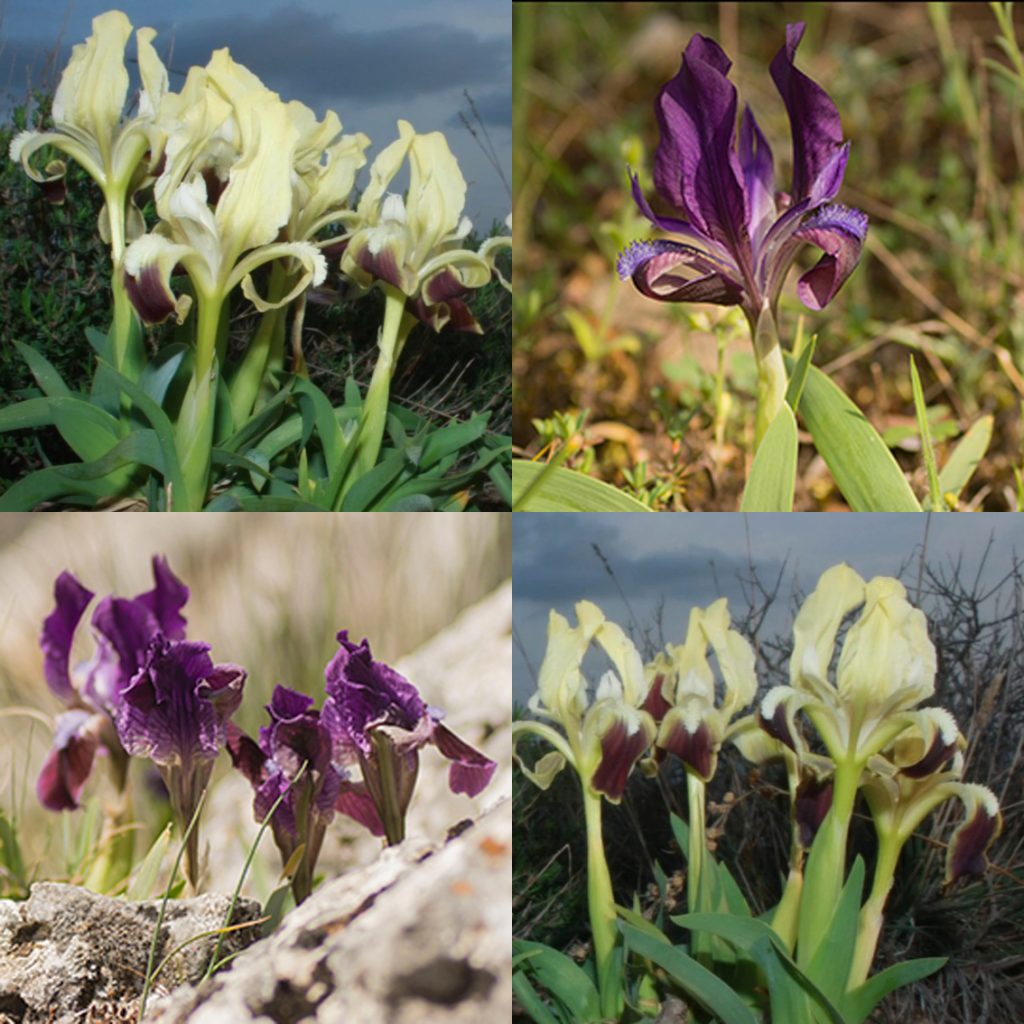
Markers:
696,167
758,177
384,167
660,687
355,801
59,631
165,601
614,737
928,744
470,771
68,765
626,659
688,731
812,802
838,592
735,658
148,264
887,651
814,120
94,85
840,232
437,193
654,267
980,828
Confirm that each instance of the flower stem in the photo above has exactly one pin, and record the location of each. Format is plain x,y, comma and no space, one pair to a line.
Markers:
394,331
698,895
265,351
826,863
869,925
195,420
602,909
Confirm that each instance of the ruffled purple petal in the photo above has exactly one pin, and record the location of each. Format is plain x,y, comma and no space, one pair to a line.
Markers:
246,755
68,765
363,693
123,629
470,771
166,599
354,801
175,710
59,631
654,267
696,167
839,232
817,133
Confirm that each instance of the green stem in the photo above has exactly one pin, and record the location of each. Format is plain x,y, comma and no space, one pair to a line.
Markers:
826,863
698,896
195,420
771,391
869,924
393,333
265,349
602,909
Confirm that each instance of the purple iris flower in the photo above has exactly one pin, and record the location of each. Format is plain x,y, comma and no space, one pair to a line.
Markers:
741,237
175,711
378,720
293,761
122,628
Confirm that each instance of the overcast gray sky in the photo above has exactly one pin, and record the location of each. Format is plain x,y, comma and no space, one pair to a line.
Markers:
693,559
371,62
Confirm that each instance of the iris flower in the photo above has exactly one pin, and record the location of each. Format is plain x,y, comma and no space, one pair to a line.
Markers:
92,691
739,236
292,762
682,693
175,711
412,247
602,740
88,127
379,721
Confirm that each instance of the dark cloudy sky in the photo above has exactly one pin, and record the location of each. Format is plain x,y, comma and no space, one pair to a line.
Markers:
372,62
679,561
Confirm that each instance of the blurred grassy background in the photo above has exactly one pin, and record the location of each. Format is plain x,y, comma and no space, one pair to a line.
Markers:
937,162
270,591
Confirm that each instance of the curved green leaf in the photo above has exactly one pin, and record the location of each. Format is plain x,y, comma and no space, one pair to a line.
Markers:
773,474
707,988
963,461
539,488
562,977
863,467
861,1001
46,375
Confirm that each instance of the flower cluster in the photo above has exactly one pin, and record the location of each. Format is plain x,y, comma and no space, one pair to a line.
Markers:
240,179
906,760
149,693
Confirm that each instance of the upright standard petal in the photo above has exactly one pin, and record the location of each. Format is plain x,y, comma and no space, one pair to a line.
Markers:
175,710
58,633
165,601
758,177
696,168
817,133
363,694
